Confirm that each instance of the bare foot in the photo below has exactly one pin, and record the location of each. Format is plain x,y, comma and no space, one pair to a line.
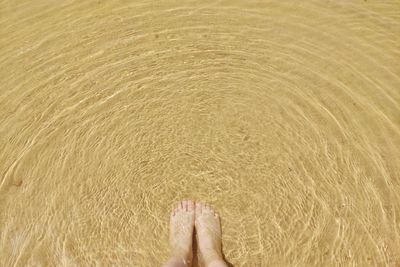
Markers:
181,231
208,229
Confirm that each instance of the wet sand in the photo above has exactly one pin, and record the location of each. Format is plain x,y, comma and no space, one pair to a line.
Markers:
284,115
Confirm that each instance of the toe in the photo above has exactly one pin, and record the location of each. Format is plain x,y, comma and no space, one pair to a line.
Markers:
172,213
209,210
185,205
199,207
180,205
206,207
190,205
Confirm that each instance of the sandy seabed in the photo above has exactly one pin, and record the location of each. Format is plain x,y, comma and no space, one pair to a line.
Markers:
284,115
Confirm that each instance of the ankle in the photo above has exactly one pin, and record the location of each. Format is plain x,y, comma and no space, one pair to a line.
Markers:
211,258
178,261
185,257
217,262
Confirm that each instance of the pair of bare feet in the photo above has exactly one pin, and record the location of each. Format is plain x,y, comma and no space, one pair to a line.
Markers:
186,218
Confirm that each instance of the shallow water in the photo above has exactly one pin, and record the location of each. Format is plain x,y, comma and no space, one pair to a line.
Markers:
284,115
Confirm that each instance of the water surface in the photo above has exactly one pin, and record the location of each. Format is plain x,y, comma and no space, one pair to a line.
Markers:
284,115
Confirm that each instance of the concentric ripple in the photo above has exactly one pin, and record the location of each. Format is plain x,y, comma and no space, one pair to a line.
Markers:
285,115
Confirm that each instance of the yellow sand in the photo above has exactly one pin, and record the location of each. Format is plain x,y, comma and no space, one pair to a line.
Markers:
284,115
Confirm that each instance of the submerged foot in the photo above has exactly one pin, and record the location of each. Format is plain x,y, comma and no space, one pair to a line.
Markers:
181,231
208,229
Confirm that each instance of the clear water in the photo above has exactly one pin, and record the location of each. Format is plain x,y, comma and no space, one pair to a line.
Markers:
284,115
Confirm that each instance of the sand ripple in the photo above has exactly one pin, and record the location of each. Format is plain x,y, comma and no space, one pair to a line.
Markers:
285,116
